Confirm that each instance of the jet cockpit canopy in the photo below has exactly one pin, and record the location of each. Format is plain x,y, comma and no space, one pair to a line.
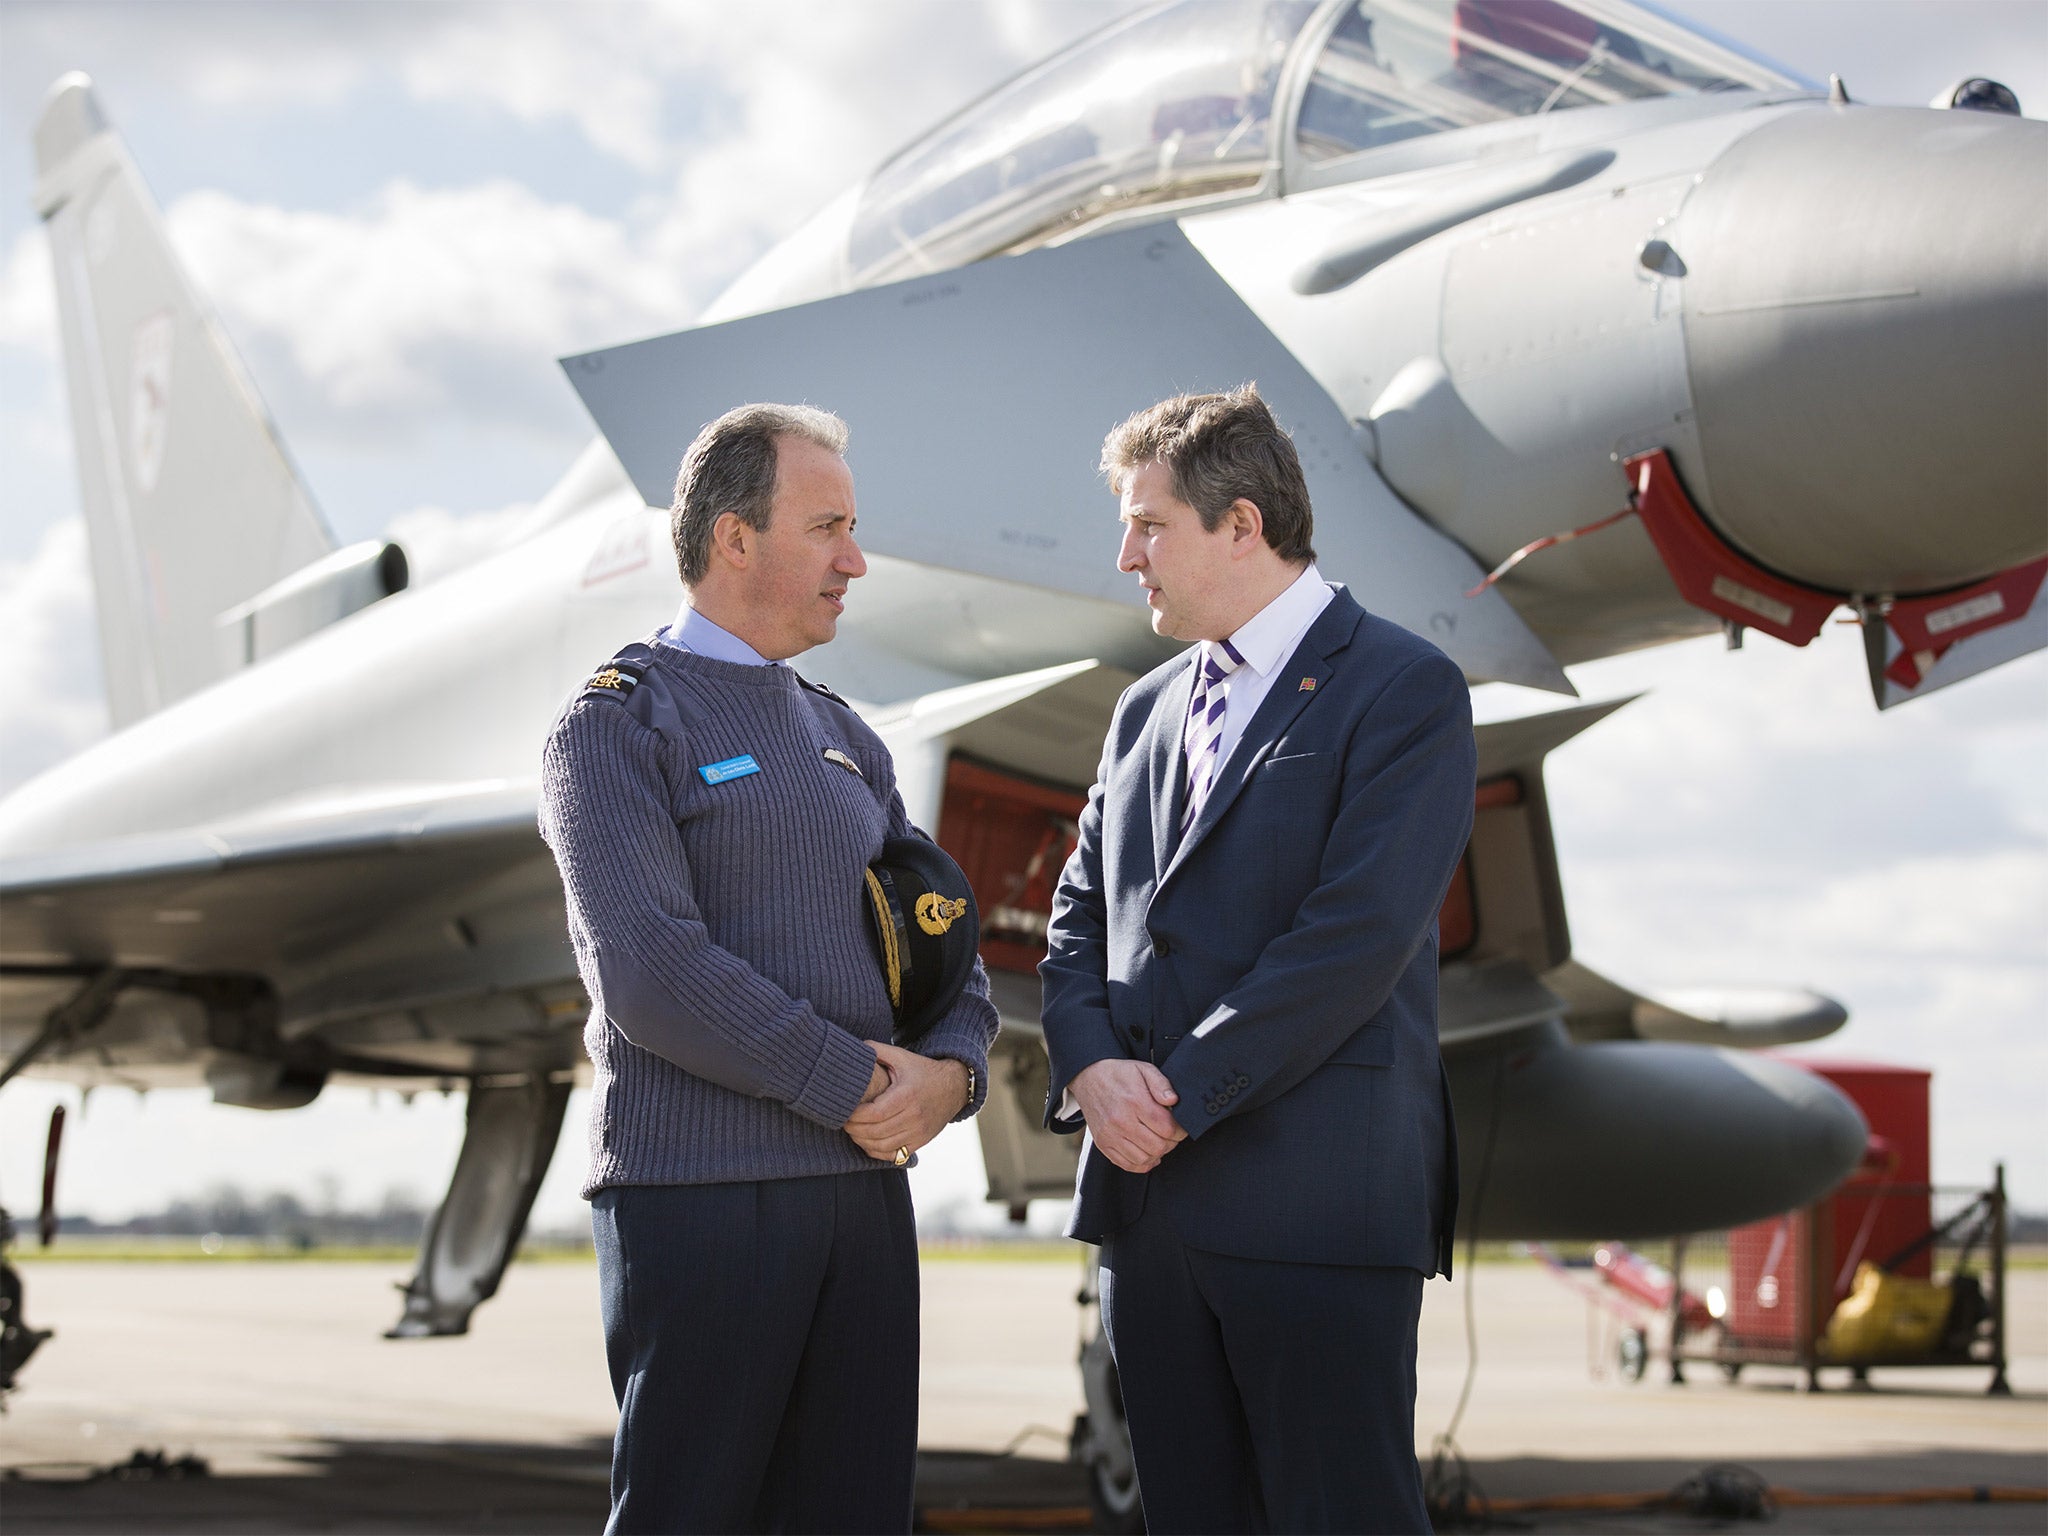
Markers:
1170,104
1398,69
1193,102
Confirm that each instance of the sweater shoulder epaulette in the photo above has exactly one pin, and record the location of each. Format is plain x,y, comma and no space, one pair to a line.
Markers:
819,688
617,678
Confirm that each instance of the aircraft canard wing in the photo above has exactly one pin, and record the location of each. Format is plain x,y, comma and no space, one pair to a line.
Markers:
979,398
280,892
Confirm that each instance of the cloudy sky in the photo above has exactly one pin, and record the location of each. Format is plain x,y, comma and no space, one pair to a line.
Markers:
405,212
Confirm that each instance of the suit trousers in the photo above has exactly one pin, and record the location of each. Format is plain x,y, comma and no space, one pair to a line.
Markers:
763,1341
1264,1396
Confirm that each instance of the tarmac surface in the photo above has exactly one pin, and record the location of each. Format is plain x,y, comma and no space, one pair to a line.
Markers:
275,1374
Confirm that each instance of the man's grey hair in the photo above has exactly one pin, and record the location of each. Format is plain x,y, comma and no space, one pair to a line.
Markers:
731,468
1218,448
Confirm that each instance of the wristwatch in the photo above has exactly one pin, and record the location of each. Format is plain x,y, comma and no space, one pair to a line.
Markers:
971,1081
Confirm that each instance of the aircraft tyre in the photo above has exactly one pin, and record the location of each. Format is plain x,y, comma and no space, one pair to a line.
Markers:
1632,1354
1102,1443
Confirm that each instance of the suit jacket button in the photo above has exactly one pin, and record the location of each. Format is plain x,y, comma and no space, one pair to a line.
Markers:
1161,947
1137,1034
1243,1081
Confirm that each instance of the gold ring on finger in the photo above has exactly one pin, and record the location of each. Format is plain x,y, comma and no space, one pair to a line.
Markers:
902,1156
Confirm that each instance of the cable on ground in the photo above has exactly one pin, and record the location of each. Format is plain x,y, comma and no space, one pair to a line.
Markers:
1450,1492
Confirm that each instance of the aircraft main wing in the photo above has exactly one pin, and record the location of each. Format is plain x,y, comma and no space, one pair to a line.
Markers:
339,904
979,398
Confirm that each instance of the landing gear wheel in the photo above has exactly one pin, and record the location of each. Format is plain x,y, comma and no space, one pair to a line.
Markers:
1102,1443
1116,1505
1632,1354
1732,1369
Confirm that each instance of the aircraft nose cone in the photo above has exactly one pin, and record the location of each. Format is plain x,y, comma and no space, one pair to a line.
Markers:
1865,308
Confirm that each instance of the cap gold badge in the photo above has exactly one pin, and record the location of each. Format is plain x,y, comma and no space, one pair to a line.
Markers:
925,935
935,914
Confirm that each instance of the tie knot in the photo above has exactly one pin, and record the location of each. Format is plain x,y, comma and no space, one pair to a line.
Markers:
1223,659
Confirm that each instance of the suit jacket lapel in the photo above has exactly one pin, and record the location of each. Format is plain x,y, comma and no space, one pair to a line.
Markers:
1165,765
1287,698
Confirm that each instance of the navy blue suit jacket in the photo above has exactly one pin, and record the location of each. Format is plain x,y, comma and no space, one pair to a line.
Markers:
1279,962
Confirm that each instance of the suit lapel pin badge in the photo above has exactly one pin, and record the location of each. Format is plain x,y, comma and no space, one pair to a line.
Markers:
834,755
1308,685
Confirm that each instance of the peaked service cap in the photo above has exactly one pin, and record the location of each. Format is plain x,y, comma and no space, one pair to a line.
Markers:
925,929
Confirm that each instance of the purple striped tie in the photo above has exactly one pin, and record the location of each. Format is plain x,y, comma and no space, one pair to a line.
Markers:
1203,737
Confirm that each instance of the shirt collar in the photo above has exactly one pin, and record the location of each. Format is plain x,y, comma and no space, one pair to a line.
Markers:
695,633
1270,635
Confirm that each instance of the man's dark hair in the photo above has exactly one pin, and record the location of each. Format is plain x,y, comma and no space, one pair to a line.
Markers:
1218,448
731,468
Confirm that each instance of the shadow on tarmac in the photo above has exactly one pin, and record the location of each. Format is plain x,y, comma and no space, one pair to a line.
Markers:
392,1486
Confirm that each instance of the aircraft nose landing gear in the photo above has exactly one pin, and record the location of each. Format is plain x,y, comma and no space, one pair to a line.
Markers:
1102,1440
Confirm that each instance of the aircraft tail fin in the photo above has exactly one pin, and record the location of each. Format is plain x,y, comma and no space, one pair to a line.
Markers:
191,503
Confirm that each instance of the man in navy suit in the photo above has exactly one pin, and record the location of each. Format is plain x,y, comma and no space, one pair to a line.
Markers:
1240,998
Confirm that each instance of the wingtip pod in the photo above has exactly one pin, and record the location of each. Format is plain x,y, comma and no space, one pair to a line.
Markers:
71,116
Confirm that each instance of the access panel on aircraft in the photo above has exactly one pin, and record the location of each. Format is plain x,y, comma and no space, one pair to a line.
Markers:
979,399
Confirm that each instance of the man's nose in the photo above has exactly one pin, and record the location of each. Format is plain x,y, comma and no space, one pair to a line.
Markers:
852,562
1128,555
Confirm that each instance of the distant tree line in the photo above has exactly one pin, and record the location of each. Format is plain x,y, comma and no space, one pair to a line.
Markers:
277,1216
398,1219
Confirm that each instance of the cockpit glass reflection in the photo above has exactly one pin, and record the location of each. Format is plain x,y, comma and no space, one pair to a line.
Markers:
1176,103
1397,69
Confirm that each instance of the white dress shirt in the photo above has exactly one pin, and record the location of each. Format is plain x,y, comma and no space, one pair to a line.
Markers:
695,633
1265,641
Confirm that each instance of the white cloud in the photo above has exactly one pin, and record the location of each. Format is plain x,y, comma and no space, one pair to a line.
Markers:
592,66
52,701
28,296
385,309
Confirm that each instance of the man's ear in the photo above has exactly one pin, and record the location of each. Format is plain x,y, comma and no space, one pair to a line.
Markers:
732,539
1247,527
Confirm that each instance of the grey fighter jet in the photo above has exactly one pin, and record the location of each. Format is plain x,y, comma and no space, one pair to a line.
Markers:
1594,332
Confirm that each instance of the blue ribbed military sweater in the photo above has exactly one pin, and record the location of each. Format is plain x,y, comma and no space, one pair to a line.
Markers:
719,927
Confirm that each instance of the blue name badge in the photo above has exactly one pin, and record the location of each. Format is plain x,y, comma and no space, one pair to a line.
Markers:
732,768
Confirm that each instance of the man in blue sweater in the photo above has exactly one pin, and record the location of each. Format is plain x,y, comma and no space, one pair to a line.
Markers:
713,816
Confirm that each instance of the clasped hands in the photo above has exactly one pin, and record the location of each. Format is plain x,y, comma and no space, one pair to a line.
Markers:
910,1099
1129,1109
